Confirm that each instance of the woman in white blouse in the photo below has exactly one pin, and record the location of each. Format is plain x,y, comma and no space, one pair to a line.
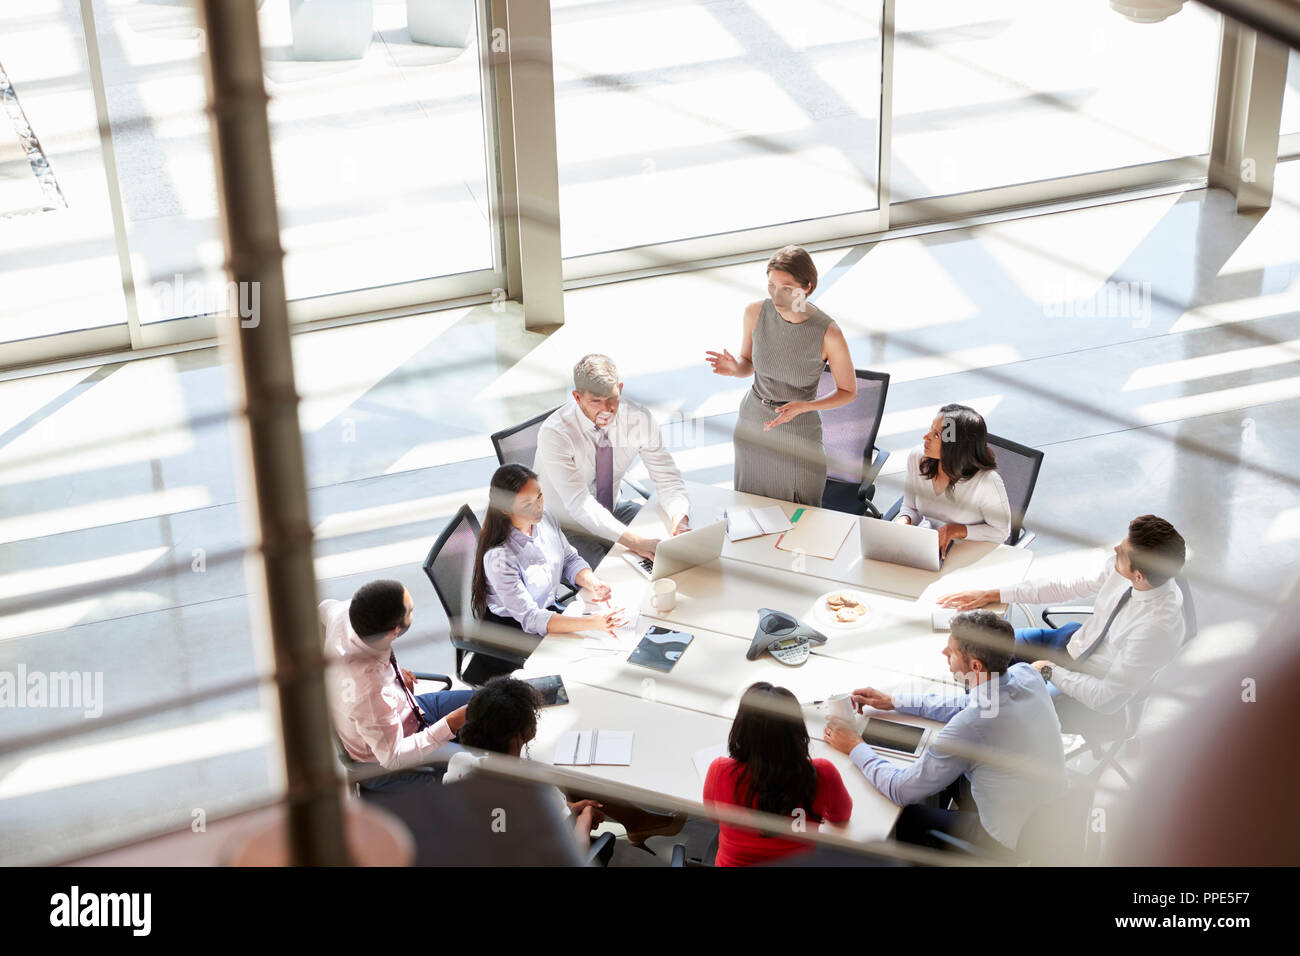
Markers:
952,481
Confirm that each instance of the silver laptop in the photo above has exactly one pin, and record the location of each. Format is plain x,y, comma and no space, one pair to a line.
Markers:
683,551
897,543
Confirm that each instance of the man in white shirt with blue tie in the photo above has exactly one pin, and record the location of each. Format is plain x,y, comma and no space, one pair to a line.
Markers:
1136,627
583,451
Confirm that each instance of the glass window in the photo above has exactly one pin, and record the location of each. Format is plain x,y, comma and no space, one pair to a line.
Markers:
59,270
683,119
1002,92
1291,98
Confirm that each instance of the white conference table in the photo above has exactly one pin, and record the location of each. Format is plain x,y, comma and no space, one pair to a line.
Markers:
666,739
894,647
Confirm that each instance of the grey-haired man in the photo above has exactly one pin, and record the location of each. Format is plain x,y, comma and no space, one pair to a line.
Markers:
583,451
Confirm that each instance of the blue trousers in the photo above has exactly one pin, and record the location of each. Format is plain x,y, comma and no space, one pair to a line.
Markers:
1031,640
436,705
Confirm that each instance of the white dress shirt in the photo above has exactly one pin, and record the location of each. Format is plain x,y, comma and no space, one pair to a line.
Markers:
566,465
980,503
1011,753
373,716
1144,638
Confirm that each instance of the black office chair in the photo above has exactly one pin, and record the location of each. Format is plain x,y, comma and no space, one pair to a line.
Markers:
518,445
849,434
450,569
448,828
1106,746
1018,466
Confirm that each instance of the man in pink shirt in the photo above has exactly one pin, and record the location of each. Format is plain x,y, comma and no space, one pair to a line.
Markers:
378,718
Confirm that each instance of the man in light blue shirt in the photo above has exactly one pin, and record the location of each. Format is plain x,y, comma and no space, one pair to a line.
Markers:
1002,735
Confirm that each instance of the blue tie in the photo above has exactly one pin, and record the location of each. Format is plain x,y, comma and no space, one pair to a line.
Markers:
604,470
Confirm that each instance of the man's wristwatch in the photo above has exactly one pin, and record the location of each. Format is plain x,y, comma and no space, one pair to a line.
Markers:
1046,671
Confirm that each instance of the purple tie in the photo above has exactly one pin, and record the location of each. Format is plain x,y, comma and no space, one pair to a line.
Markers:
420,719
604,470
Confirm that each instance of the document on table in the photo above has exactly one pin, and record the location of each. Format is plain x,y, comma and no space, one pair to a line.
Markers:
703,757
818,533
745,523
586,748
941,618
624,637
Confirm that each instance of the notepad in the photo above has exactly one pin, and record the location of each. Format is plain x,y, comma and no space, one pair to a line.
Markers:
587,748
818,533
745,523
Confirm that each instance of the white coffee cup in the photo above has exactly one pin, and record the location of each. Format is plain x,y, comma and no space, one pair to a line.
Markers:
841,706
664,597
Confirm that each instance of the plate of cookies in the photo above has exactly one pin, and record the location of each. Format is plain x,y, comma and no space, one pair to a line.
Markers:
842,608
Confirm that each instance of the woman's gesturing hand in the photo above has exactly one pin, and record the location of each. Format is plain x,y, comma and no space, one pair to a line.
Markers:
724,363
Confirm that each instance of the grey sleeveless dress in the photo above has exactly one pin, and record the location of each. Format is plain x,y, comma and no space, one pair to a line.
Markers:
789,461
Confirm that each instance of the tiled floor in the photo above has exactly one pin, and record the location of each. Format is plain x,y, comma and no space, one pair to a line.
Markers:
120,494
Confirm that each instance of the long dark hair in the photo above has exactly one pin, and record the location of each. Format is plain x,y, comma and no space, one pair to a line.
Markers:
507,482
967,453
768,736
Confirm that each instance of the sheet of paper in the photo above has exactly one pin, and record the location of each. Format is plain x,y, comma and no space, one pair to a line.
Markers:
624,638
705,756
819,533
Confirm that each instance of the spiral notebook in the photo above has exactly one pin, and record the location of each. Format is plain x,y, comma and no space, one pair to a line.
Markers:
587,748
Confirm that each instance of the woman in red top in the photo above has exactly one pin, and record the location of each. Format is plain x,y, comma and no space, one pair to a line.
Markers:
769,769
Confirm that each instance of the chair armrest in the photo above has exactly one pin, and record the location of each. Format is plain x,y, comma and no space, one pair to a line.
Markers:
639,488
679,855
603,845
1064,611
892,513
436,678
955,843
870,472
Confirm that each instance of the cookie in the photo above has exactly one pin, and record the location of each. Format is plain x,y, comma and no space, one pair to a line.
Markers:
848,614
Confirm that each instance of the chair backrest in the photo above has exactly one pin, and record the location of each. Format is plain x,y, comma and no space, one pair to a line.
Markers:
1018,466
849,432
517,445
450,566
1136,707
1190,625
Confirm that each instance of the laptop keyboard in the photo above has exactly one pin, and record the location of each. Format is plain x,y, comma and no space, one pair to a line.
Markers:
645,564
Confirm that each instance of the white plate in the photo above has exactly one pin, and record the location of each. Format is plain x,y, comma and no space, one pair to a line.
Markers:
826,618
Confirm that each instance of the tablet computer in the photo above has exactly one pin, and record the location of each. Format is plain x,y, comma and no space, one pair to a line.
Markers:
899,738
551,689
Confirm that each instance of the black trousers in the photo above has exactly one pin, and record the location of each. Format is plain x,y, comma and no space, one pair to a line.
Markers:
484,666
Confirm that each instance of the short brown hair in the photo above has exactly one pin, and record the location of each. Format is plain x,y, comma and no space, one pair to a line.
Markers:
1156,549
985,636
796,261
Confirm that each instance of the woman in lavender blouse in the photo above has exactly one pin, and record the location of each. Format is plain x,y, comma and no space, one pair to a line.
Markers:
522,559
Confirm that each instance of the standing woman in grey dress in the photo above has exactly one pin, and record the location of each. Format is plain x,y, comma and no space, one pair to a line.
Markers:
784,345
